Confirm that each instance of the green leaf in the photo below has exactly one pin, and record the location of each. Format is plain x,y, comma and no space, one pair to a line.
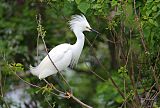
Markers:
154,8
114,3
83,7
19,65
97,6
149,1
157,0
157,14
77,1
16,67
158,5
148,12
153,22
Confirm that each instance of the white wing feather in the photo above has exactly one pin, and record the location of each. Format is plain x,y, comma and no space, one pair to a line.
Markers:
61,55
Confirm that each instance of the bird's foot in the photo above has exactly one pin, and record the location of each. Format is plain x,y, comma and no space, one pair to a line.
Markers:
50,85
68,95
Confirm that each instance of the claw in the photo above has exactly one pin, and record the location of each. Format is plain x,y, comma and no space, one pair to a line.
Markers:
68,94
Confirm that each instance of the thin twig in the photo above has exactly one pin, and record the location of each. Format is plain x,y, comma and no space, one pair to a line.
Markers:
95,73
155,95
48,102
155,77
108,40
133,82
80,102
154,71
113,82
63,96
140,28
33,85
51,85
37,37
125,100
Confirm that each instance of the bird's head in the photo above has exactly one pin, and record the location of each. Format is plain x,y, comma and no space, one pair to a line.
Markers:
80,23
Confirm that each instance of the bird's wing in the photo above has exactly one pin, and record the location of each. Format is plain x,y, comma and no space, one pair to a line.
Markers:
61,64
61,56
56,54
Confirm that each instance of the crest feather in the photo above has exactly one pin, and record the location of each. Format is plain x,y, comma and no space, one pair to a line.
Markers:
77,19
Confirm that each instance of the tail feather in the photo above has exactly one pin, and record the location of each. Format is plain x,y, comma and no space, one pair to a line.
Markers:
34,70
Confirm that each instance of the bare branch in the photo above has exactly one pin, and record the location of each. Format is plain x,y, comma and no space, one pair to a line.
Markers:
80,102
113,82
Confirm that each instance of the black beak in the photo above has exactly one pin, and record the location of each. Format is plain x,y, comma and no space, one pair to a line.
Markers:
94,31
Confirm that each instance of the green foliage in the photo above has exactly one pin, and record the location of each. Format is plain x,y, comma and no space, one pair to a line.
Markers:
151,23
123,72
40,29
107,95
16,67
5,68
83,6
46,89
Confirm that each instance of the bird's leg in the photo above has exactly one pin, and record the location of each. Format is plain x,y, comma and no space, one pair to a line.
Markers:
61,84
50,84
68,94
70,91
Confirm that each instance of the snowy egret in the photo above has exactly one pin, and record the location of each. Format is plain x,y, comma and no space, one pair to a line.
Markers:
64,55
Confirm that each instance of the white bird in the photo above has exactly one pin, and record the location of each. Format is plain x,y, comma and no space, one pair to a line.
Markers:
64,55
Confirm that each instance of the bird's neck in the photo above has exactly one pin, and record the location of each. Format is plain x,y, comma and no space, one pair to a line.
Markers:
80,39
78,46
